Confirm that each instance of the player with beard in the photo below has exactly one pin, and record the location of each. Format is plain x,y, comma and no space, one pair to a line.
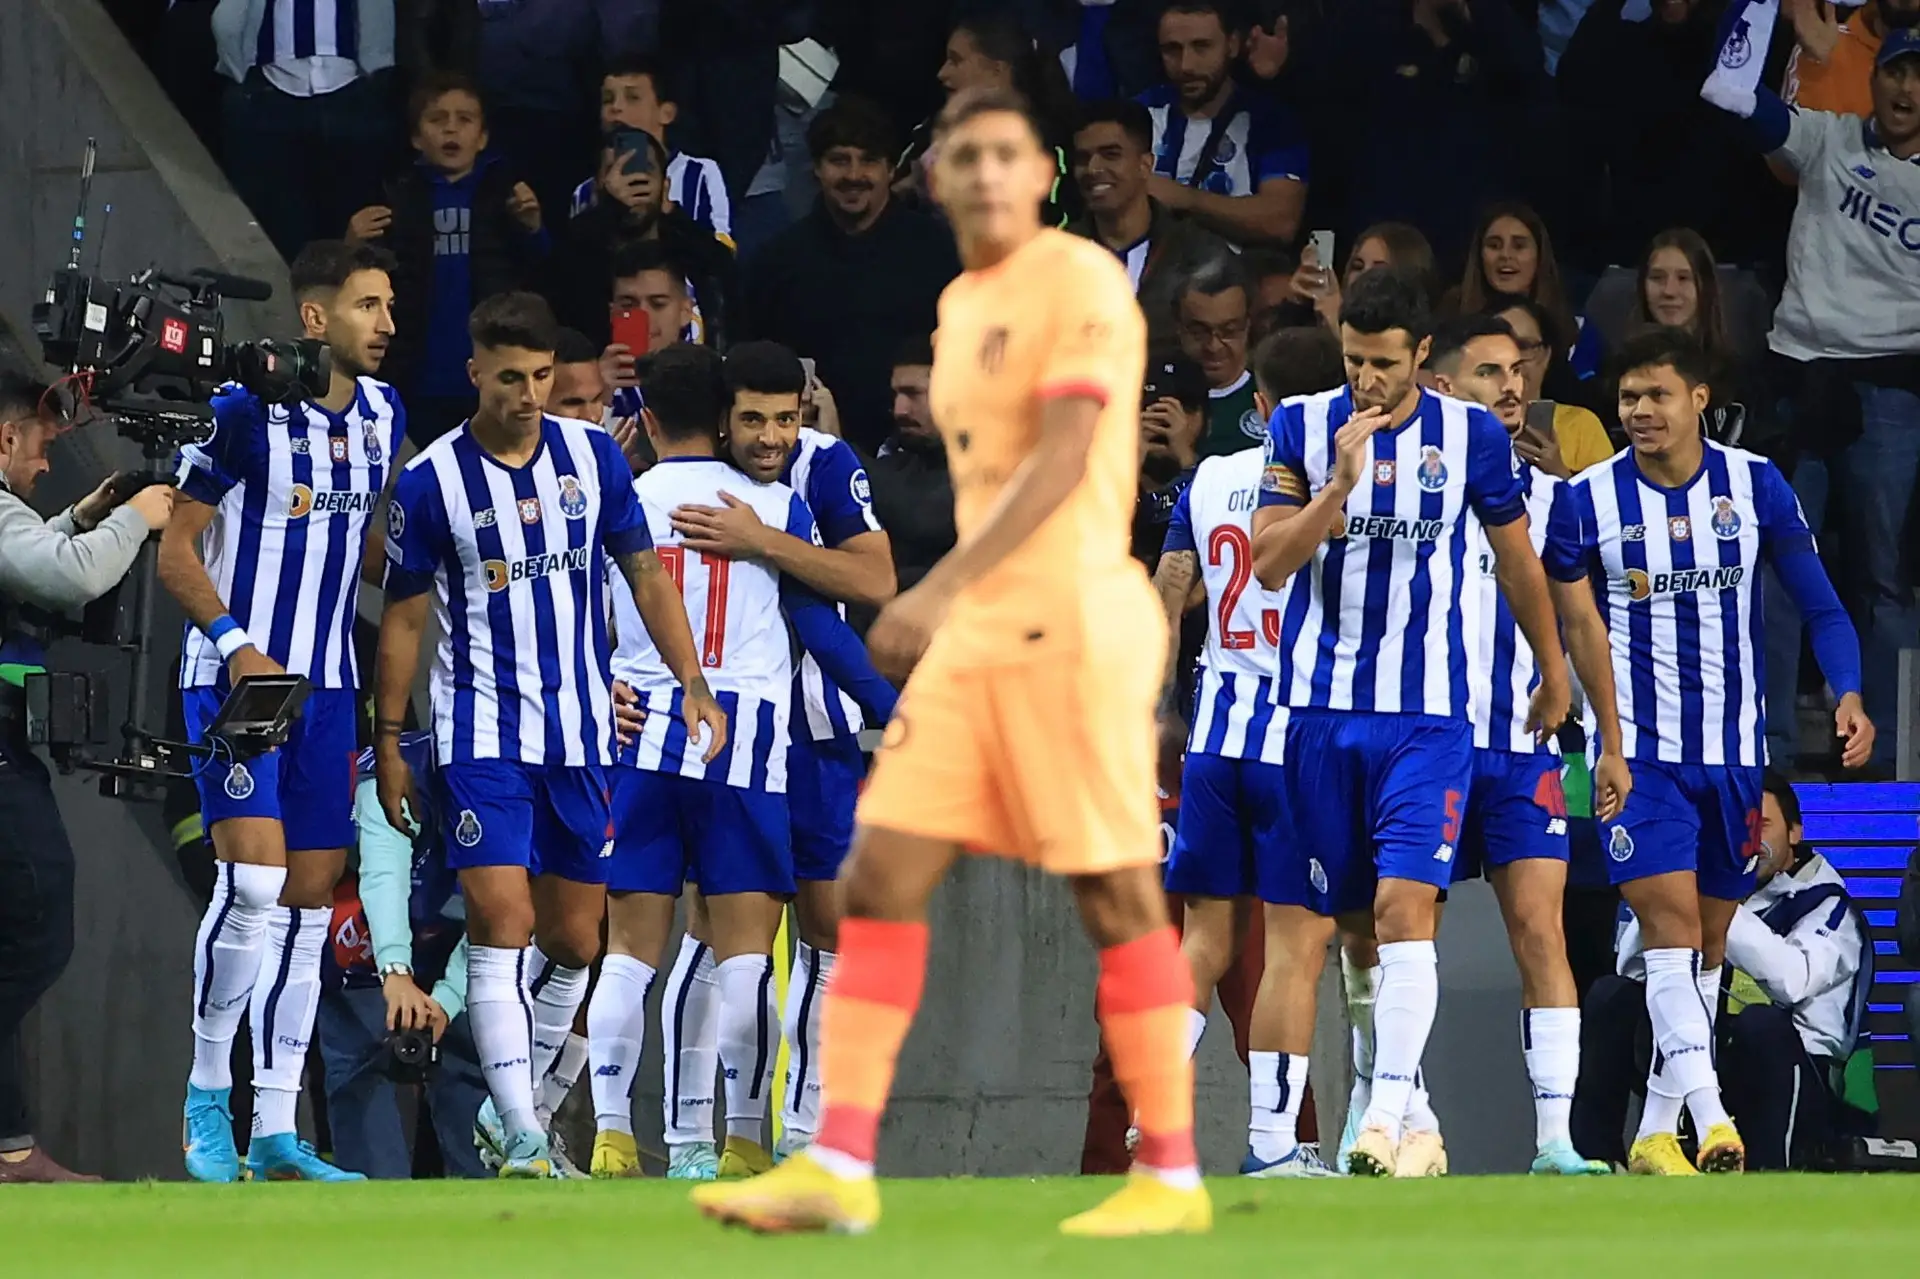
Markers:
279,501
852,563
1375,667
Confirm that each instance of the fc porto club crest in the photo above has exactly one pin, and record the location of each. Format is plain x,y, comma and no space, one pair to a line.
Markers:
529,510
467,832
1726,520
1433,468
573,500
1383,473
1679,528
239,782
1738,50
370,442
1620,844
1316,875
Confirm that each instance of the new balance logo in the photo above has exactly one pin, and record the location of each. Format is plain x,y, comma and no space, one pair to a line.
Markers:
1556,826
610,1071
1444,853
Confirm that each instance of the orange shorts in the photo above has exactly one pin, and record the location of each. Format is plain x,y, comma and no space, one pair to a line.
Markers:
1051,762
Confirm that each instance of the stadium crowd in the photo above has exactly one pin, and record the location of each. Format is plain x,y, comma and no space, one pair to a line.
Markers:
1553,182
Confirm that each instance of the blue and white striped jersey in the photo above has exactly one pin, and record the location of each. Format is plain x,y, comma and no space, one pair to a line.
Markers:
734,609
830,479
514,556
694,185
1677,573
308,29
1260,141
1234,714
1384,617
293,488
1504,672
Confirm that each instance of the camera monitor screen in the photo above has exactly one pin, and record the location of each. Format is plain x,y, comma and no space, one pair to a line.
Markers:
259,701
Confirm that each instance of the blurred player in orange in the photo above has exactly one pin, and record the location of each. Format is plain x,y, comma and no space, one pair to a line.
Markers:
1028,725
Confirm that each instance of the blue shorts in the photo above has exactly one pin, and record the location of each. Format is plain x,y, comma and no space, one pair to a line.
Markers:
823,784
673,830
1230,809
1515,810
1372,796
306,785
1698,817
553,819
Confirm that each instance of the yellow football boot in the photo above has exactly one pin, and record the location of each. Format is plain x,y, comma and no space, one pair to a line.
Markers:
1421,1154
743,1158
797,1196
615,1155
1721,1150
1659,1156
1373,1155
1145,1205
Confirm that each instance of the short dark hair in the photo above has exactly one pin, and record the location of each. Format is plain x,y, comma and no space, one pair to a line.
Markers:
986,100
514,319
1551,330
1133,119
685,388
1672,348
1451,337
1226,10
639,256
766,368
1214,276
1386,298
437,84
571,346
1299,360
324,265
22,397
853,121
915,349
634,65
1777,785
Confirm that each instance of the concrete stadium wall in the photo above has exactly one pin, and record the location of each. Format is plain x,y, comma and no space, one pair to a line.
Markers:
995,1077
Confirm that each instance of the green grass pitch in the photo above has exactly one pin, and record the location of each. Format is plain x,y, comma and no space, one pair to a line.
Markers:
1621,1228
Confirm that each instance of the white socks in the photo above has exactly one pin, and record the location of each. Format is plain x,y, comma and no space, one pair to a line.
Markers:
556,993
226,960
501,1013
616,1032
689,1023
1683,1036
1402,1018
1362,987
286,996
800,1023
1278,1082
747,1019
1550,1040
553,1090
1196,1031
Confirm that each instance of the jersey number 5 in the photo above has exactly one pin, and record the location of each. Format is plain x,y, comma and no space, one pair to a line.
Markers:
713,642
1232,537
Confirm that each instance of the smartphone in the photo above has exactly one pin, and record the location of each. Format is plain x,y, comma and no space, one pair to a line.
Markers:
1322,242
630,330
637,141
1540,417
807,367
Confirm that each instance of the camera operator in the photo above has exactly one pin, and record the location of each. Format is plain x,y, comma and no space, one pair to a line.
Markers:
46,567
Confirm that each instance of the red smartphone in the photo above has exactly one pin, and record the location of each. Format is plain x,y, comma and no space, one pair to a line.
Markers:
630,330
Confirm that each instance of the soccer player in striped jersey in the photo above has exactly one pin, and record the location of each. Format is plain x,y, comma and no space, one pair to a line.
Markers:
721,823
1232,789
1375,661
1516,820
850,562
504,521
278,501
1672,533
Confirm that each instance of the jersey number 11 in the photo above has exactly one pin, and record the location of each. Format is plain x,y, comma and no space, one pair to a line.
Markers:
713,640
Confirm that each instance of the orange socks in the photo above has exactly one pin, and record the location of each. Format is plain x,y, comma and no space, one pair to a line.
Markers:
1145,995
870,1005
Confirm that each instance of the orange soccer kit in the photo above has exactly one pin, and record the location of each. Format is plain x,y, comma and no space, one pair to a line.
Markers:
1028,728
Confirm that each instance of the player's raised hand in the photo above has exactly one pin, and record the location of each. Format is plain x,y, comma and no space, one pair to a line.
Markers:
1855,730
1350,447
1612,783
628,718
697,707
903,630
1547,709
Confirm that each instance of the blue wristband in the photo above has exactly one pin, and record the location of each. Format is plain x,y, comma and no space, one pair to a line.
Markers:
219,626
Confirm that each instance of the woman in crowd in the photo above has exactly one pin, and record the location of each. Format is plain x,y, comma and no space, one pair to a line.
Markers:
1680,288
1513,257
1316,290
998,53
1579,439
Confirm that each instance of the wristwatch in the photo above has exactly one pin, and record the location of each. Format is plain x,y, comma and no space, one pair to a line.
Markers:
395,970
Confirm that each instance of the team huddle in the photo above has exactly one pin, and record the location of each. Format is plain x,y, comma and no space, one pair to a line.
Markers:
1395,601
